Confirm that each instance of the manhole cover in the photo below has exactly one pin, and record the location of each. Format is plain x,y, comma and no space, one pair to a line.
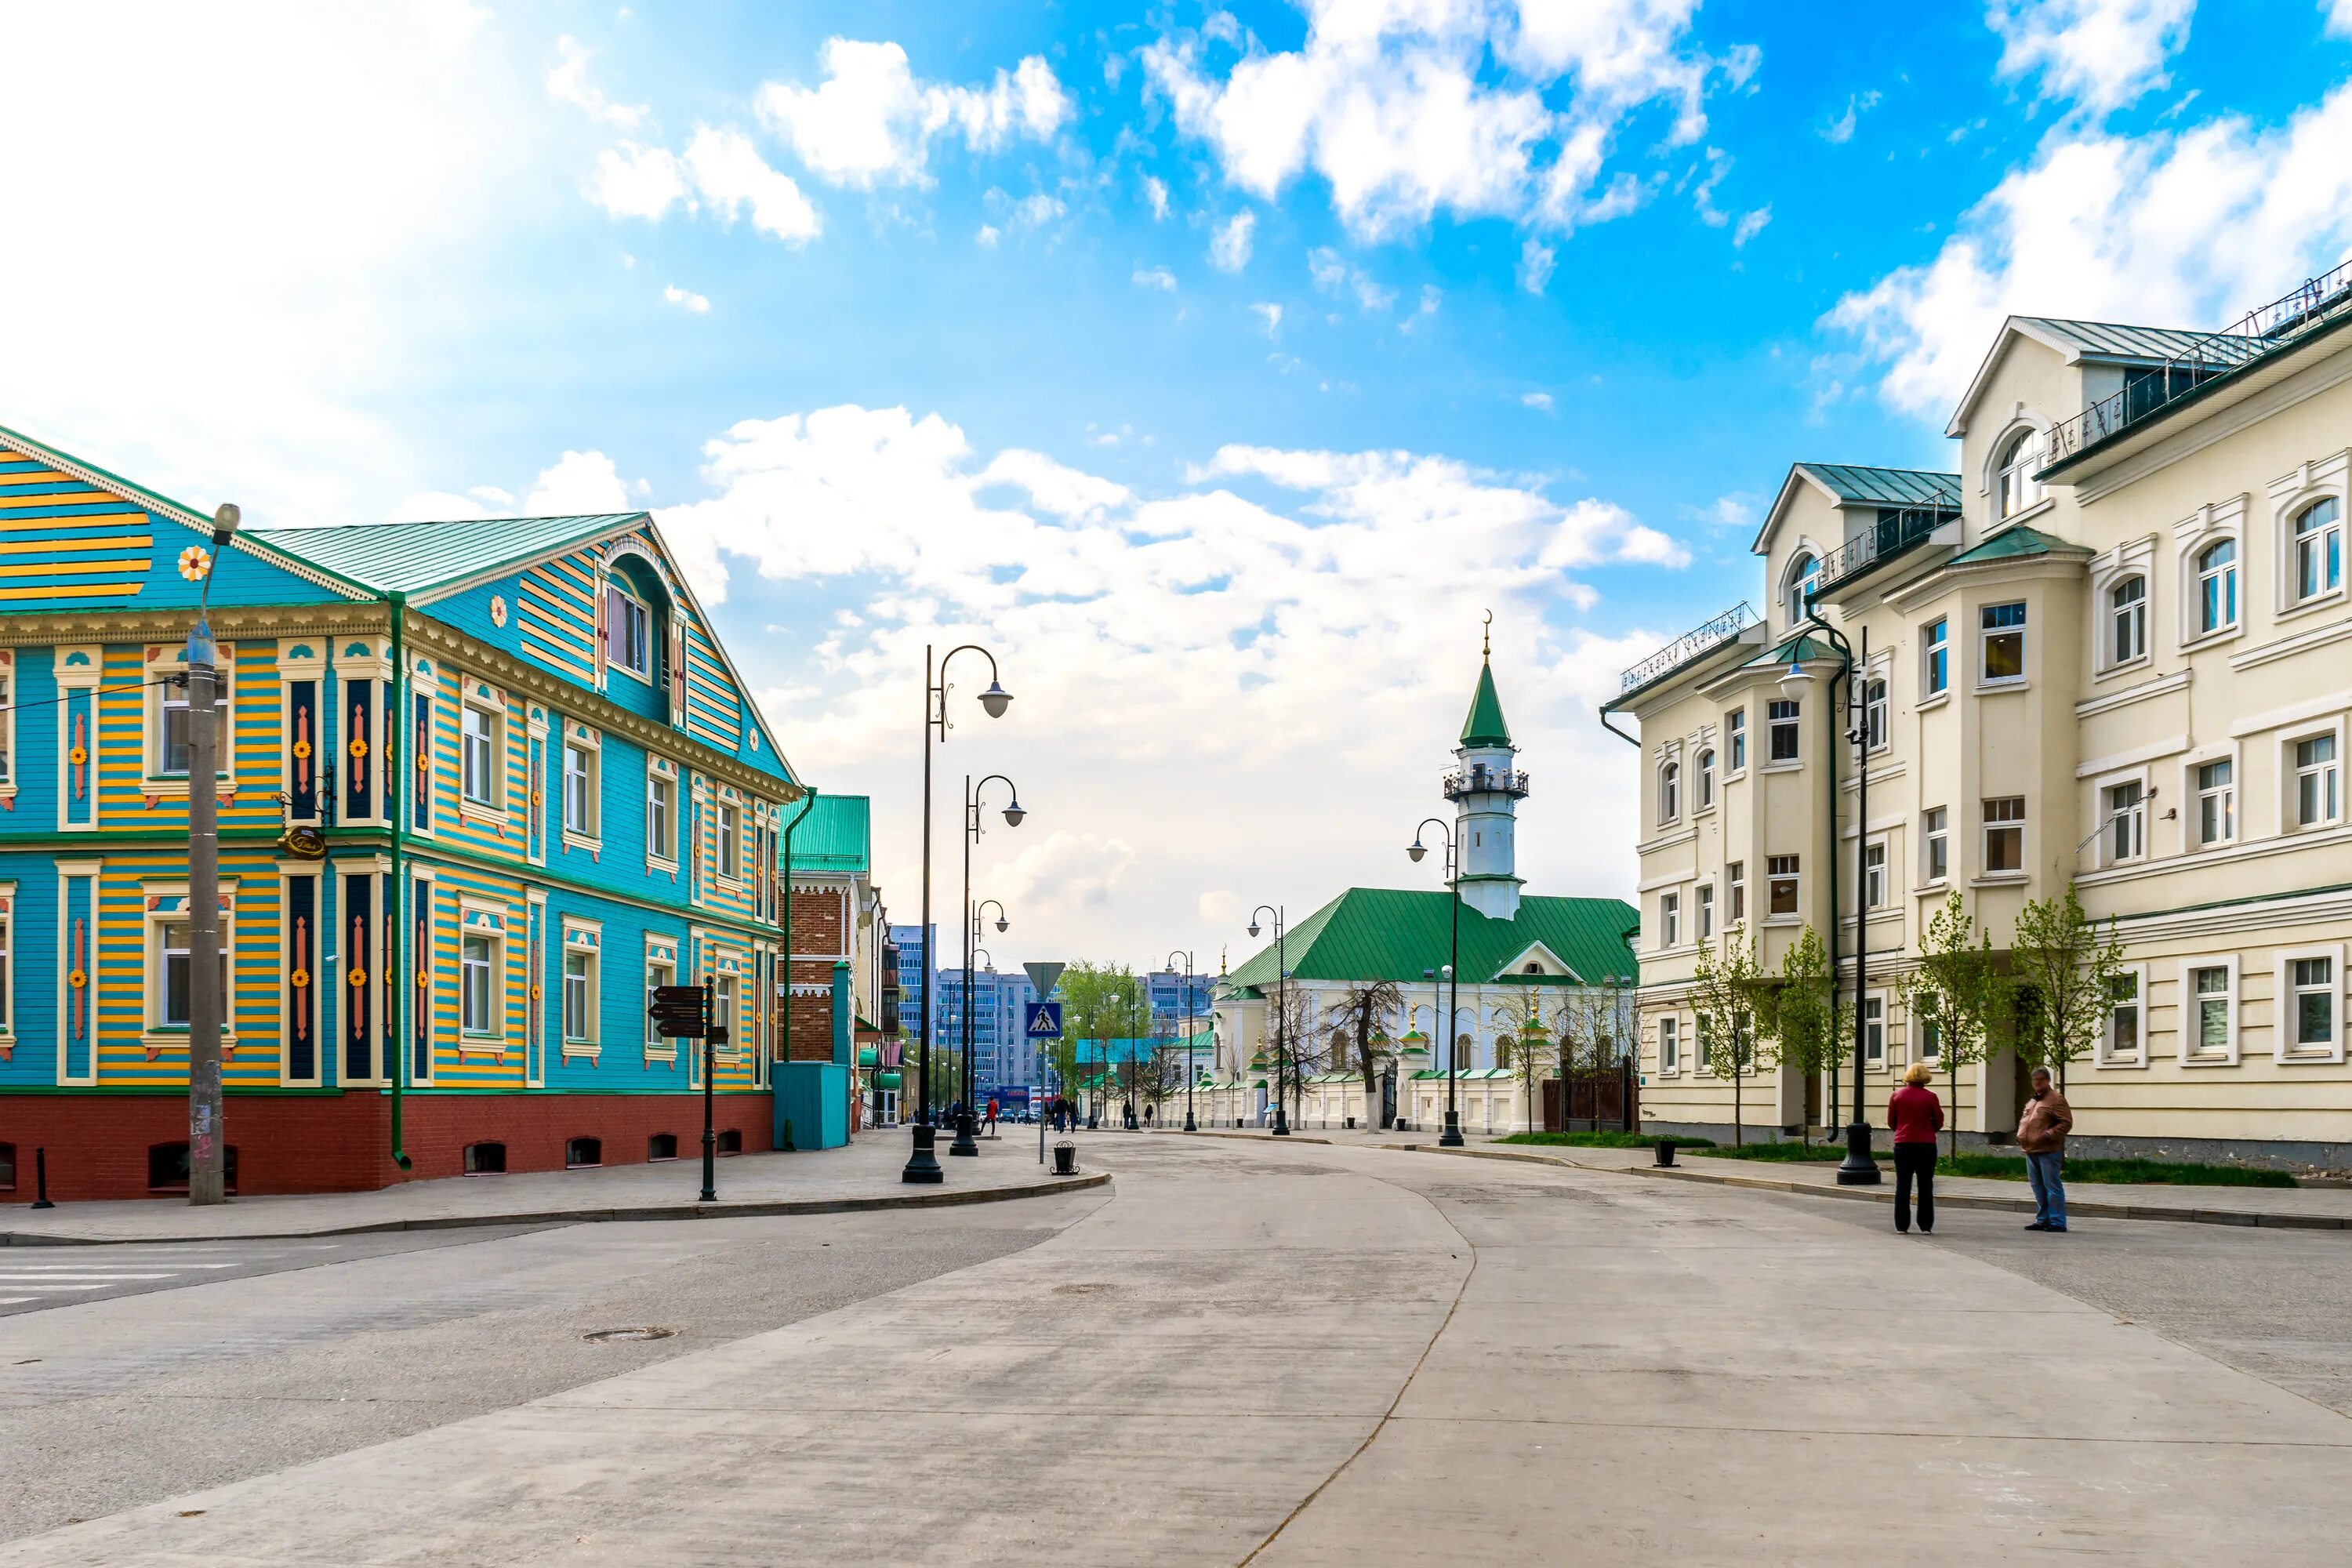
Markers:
1088,1288
608,1336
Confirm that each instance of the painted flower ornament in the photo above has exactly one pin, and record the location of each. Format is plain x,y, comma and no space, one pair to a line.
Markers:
196,563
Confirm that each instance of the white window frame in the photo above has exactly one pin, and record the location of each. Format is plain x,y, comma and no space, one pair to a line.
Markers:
1874,1031
583,940
589,743
8,724
1670,1046
1877,709
1703,910
1670,919
1796,880
1704,766
2232,592
2107,1054
2133,848
1735,730
2017,457
1804,568
1735,877
630,600
661,772
2291,776
2192,831
2283,1045
471,1038
1924,1034
728,866
1670,789
1986,634
1986,826
2295,499
158,1033
163,695
2190,1011
2116,617
727,992
8,965
492,709
1795,719
1877,881
1935,834
1935,658
661,969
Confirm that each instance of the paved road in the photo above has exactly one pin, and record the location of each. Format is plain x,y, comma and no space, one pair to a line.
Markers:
1247,1355
34,1279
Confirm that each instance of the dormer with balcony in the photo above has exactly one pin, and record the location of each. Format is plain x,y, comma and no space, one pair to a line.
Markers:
1836,528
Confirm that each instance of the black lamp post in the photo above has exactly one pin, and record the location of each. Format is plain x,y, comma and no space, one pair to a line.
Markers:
1188,1015
963,1144
1281,1009
922,1163
1857,1170
1452,1137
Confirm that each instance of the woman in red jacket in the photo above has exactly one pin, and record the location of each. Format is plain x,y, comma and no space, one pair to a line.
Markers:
1916,1116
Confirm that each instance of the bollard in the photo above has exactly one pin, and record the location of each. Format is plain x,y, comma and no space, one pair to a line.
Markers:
1666,1150
1065,1158
41,1180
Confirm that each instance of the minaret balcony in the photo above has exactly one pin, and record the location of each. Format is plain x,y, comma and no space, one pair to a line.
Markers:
1480,779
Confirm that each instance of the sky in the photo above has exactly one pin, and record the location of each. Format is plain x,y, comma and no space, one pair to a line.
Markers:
1218,368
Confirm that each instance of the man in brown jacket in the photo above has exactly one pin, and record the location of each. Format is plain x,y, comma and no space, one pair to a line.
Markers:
2042,1133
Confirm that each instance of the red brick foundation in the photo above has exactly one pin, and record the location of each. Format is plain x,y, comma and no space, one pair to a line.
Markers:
343,1143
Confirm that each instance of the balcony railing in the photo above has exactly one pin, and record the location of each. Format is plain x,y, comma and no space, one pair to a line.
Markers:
1689,645
1890,536
2256,336
1480,779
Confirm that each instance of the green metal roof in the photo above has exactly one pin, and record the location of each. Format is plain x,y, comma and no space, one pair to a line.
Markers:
411,557
1887,487
2138,345
1391,933
1485,725
2013,544
835,836
1804,646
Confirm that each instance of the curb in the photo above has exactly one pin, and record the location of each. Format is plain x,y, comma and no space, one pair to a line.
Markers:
722,1210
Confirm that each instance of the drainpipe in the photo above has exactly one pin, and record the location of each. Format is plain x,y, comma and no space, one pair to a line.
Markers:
396,786
776,1101
1621,734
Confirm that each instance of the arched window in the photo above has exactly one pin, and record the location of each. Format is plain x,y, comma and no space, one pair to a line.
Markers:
2128,620
1805,576
2015,488
2217,587
1706,778
1670,791
2319,548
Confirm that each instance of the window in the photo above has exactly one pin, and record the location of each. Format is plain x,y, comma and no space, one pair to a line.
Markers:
1874,876
2319,548
1706,914
2211,1020
1670,1045
2122,1019
2127,621
486,1159
1780,884
1935,842
722,1011
729,864
1736,877
8,728
2004,643
632,636
1735,725
1805,576
579,993
172,742
2217,587
2315,780
1935,655
578,1151
2126,816
476,966
661,969
580,787
2217,802
1874,1031
173,974
1780,716
661,1146
1670,778
167,1167
1931,1031
2311,1005
1875,729
1706,779
2004,834
661,815
1670,919
731,1140
2015,488
478,733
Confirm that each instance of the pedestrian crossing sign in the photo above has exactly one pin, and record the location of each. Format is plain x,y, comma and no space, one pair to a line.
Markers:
1045,1021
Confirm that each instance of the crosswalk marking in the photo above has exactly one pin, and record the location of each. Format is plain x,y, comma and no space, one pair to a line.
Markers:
54,1276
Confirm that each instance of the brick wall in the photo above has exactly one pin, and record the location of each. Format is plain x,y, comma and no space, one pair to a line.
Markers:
322,1143
818,920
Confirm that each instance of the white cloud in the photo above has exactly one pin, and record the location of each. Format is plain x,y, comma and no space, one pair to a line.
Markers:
1037,209
2102,54
988,236
1334,276
568,82
1536,262
1155,189
1155,278
1540,401
1271,314
1229,248
2339,17
732,176
579,483
1749,225
1392,105
631,181
1431,296
2182,228
686,300
1064,491
1839,131
872,121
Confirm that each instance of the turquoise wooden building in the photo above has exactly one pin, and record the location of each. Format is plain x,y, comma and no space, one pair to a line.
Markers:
541,788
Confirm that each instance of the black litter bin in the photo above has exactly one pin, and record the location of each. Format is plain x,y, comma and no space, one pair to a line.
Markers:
1666,1150
1065,1158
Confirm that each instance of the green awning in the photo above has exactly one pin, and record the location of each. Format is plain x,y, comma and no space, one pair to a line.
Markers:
886,1079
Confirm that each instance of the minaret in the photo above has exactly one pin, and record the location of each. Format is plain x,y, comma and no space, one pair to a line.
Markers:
1486,789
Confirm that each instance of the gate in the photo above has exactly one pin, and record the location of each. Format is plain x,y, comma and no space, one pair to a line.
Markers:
1388,1097
1597,1100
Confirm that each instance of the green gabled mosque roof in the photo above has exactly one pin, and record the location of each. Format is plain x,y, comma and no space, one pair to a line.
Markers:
1485,725
1393,934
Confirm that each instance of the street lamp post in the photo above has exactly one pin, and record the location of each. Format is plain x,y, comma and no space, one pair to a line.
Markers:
1186,996
1281,1008
1857,1170
1452,1137
922,1164
963,1144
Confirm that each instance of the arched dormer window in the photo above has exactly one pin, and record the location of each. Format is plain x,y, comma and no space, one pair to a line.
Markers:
2014,486
1804,577
1670,791
2128,620
2217,587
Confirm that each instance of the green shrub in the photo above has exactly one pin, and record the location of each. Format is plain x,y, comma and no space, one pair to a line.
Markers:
1605,1140
2156,1172
1787,1154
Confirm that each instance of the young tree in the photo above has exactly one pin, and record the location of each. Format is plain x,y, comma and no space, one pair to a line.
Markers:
1801,1014
2066,977
1362,1014
1956,994
1531,1053
1724,996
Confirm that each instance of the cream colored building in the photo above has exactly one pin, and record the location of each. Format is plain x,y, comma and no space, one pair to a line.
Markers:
2114,647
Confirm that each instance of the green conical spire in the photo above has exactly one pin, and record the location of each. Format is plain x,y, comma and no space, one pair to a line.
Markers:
1485,726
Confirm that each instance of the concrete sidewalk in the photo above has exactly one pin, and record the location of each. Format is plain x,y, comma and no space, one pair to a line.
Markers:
862,1175
2297,1208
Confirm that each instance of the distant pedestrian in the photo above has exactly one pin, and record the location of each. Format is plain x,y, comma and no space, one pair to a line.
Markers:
1147,1114
2042,1133
1916,1116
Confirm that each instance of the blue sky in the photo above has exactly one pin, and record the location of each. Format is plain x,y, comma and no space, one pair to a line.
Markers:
1218,366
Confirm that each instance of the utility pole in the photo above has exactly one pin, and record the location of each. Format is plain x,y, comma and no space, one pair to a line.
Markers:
207,1161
